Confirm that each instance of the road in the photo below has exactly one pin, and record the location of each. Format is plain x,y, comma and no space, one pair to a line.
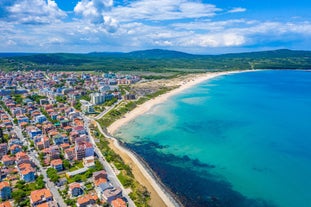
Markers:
111,173
32,154
103,113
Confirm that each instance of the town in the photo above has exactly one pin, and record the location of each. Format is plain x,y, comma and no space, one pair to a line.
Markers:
48,152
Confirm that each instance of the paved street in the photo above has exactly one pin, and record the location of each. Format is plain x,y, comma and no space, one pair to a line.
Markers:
99,116
111,174
50,185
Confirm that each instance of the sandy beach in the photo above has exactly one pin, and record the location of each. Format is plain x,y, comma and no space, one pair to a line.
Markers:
159,196
183,84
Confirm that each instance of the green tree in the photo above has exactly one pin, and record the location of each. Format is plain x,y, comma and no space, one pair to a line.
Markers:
40,182
52,174
18,195
66,164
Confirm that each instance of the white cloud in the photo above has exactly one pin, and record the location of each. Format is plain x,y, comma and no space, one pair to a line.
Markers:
163,10
173,24
214,40
95,11
35,12
236,10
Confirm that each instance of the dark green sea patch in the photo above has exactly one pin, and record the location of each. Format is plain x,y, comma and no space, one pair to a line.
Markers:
192,181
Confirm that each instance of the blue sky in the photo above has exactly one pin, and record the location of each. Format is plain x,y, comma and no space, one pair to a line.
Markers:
194,26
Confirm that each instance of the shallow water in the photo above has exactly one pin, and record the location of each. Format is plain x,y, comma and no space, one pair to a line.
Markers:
236,140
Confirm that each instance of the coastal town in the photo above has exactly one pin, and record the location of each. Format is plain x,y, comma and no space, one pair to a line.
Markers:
49,155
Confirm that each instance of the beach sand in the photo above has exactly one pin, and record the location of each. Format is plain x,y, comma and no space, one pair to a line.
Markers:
159,197
184,83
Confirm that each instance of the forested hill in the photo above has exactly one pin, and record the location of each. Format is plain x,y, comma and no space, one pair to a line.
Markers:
156,60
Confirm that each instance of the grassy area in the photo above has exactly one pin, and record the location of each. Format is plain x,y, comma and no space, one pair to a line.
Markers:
126,107
139,193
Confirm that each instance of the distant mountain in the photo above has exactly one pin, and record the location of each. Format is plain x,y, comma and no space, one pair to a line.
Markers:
14,54
158,54
157,60
282,53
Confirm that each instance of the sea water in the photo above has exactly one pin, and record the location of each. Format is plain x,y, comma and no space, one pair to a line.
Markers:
236,140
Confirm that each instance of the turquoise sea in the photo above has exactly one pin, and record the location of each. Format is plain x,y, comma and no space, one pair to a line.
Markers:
236,140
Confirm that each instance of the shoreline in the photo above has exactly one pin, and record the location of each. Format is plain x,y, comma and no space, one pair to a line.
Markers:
160,195
183,85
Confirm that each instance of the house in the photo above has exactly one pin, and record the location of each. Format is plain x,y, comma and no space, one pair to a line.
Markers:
99,174
54,152
111,194
75,189
89,161
3,149
101,186
58,139
15,141
6,204
119,202
70,154
22,156
34,131
87,107
15,149
48,204
86,200
84,149
27,172
57,164
22,119
40,119
8,160
5,190
38,197
80,130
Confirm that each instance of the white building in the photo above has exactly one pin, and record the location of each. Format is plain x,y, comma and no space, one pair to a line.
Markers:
97,98
87,107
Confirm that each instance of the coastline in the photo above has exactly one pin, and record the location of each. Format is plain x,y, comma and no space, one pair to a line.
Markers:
183,85
160,195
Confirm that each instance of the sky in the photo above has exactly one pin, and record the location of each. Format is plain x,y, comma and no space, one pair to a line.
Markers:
193,26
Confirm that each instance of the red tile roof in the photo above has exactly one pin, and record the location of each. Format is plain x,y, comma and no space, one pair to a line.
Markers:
118,203
38,195
56,162
4,184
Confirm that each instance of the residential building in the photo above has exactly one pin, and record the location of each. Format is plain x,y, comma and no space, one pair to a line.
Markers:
84,149
27,172
54,152
15,149
89,161
129,97
6,204
38,197
87,107
119,202
5,190
40,119
57,164
86,200
111,194
70,154
8,160
3,149
102,187
97,98
99,174
75,189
